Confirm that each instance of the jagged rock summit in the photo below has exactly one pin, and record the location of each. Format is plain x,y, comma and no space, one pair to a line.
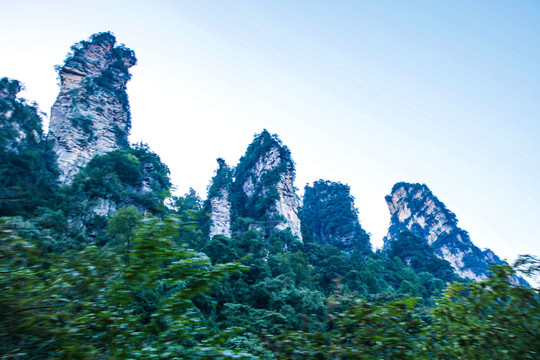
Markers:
264,185
262,192
91,114
413,207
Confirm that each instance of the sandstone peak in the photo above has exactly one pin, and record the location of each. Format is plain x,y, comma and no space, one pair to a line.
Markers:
264,184
413,207
91,114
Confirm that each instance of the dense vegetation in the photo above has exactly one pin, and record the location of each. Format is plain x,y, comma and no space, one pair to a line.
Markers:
330,216
28,168
102,269
159,299
418,255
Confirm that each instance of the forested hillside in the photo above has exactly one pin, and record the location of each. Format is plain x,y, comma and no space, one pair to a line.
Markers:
99,261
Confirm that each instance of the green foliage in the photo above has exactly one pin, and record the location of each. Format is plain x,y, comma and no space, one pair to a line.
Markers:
91,304
134,177
220,249
109,175
28,172
154,171
122,224
364,331
222,179
9,88
261,292
330,217
265,192
45,300
414,251
489,319
190,211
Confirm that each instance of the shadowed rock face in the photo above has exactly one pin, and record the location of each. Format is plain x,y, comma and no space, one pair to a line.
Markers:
91,114
413,207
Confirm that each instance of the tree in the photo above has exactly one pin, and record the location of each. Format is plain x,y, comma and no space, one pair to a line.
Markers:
364,331
91,304
414,251
28,170
489,319
122,224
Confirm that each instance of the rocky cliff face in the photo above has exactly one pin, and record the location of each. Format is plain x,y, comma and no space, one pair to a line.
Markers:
264,185
414,207
91,114
287,205
133,177
219,203
330,217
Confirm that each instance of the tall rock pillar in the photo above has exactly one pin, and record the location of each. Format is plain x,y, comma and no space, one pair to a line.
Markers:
264,184
218,203
91,114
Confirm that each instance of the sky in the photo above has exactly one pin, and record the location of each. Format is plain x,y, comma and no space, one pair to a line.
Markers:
368,93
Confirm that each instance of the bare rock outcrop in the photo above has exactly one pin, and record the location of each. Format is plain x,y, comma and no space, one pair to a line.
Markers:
413,207
218,203
91,114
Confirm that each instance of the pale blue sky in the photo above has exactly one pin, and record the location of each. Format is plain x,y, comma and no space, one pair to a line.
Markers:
369,93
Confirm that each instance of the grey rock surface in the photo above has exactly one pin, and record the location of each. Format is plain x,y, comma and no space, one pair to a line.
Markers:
414,207
91,113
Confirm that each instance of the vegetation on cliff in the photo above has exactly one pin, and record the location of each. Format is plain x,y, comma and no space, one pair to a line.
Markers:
330,216
414,208
28,169
256,176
